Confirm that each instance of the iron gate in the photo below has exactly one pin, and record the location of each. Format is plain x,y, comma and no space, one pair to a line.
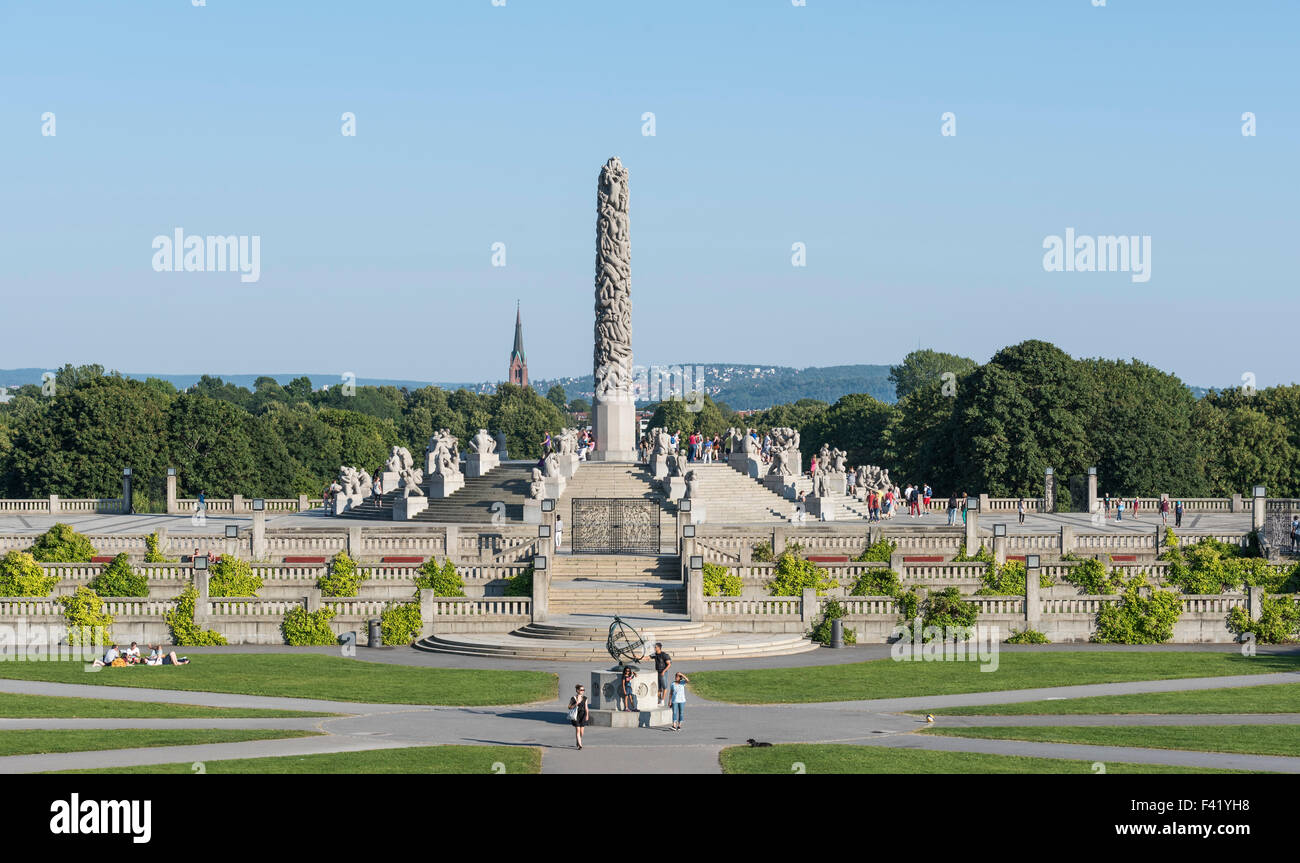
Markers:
615,526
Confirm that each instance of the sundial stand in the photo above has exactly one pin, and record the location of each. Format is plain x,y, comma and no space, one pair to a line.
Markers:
627,647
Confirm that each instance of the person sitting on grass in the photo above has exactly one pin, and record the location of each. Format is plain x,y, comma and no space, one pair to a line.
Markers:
132,654
109,655
157,657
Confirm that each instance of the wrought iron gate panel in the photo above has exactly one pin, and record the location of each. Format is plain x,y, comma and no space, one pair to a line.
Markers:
615,526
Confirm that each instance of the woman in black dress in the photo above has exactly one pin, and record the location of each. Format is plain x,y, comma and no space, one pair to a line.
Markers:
579,715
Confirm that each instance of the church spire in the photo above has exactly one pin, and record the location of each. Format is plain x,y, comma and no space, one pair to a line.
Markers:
518,360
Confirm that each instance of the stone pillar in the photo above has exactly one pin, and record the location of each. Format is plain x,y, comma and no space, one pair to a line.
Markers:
1033,606
542,577
54,504
259,535
1067,539
778,541
1092,489
972,530
303,505
162,539
237,504
613,411
1255,601
172,507
426,611
201,607
999,550
694,581
1235,504
312,599
354,543
453,539
1259,507
1049,491
810,607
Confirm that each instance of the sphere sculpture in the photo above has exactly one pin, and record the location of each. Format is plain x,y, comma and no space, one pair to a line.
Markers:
624,643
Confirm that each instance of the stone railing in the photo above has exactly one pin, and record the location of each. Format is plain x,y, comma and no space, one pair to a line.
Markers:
777,606
55,505
505,608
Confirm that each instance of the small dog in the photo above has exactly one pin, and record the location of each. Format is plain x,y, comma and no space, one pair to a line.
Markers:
752,742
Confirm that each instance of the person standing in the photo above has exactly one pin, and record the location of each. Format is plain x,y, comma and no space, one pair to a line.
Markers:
1295,533
1020,509
952,509
1178,513
1119,509
678,692
662,663
579,713
1164,511
559,531
1135,507
1106,501
929,492
627,691
964,501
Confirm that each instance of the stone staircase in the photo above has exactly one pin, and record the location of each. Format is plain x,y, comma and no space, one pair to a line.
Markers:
616,584
581,637
470,505
731,497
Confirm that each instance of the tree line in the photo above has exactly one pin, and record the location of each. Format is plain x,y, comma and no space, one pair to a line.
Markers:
957,424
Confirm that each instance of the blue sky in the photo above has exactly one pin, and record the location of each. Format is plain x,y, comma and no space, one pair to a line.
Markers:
775,124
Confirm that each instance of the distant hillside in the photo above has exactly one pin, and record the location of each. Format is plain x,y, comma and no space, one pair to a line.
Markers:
742,387
746,387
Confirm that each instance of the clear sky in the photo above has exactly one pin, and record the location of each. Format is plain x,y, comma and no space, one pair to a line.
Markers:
775,124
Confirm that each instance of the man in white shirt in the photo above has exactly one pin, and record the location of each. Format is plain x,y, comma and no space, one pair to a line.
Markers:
111,654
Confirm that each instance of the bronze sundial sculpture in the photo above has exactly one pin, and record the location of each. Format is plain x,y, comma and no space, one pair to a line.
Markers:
624,643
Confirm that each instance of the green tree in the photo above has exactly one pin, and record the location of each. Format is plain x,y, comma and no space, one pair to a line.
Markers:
923,367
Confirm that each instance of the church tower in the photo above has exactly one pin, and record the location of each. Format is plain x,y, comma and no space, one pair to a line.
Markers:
518,361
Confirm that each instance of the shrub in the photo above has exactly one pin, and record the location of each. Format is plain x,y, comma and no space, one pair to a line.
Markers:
152,553
231,576
720,581
1009,579
303,628
516,585
909,605
343,578
1136,619
882,550
1211,566
119,579
444,580
821,632
1028,636
21,575
982,555
762,553
62,544
795,574
1091,577
401,623
877,582
185,632
87,621
1279,621
946,610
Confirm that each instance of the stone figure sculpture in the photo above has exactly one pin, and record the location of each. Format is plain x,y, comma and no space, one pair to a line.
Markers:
444,454
567,442
872,478
537,488
676,464
552,465
483,443
412,478
692,485
612,360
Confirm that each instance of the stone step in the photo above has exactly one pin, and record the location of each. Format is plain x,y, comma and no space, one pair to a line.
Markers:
721,646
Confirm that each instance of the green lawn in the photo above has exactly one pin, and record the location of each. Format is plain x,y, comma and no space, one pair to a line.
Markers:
16,706
308,675
843,758
1277,698
415,759
36,741
886,678
1243,739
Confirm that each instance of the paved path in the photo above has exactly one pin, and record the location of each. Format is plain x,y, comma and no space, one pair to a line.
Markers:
709,727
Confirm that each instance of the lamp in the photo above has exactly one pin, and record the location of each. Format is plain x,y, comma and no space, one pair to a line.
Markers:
232,531
972,503
1031,561
258,504
201,562
540,562
684,505
543,531
1259,491
171,471
126,471
1092,471
548,504
688,531
697,561
999,530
